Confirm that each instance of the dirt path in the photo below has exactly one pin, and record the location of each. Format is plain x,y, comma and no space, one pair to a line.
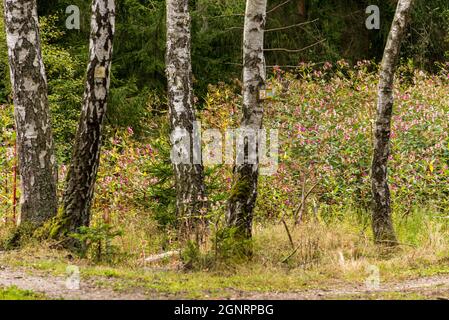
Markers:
436,287
55,287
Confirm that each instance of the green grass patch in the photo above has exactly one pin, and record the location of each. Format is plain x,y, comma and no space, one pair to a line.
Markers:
14,293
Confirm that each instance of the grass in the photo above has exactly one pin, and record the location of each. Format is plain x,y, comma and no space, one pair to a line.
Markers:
325,128
384,296
13,293
329,255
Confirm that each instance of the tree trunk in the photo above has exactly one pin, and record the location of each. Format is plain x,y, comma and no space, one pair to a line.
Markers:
82,173
246,173
189,176
381,208
302,8
37,163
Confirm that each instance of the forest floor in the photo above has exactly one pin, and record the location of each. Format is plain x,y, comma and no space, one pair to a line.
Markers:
45,278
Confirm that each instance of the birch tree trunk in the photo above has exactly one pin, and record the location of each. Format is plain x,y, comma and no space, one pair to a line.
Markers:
37,163
381,209
244,190
82,173
189,176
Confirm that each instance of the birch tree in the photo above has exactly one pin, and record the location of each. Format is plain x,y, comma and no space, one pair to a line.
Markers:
189,176
37,163
244,191
82,173
381,208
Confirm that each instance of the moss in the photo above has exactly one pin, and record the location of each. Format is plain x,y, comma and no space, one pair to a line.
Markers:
19,236
241,194
241,188
55,228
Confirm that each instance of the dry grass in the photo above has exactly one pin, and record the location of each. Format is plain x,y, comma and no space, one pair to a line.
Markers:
325,254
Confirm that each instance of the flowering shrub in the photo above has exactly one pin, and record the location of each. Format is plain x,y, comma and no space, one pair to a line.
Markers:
325,118
7,137
326,123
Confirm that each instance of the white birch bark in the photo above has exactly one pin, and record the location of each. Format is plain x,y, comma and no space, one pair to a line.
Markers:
37,163
81,177
381,207
190,191
244,190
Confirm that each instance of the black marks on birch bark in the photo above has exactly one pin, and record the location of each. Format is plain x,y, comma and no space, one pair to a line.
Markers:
244,191
82,173
189,177
37,163
381,207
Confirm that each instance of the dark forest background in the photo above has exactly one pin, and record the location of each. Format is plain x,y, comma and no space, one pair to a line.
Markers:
336,30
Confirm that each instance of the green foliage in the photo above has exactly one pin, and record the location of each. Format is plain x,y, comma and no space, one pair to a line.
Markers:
5,84
65,74
230,247
324,113
14,293
97,241
15,237
226,250
326,122
194,259
7,138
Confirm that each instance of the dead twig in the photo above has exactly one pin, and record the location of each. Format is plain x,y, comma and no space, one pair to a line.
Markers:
290,238
278,6
303,201
227,16
291,26
294,50
290,255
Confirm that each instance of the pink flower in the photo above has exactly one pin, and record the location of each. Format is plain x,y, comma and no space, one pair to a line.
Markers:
130,131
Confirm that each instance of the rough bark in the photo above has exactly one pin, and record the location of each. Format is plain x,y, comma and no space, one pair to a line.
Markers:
82,173
37,163
189,176
381,209
302,8
244,190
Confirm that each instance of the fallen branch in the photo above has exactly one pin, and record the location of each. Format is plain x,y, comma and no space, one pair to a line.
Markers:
158,257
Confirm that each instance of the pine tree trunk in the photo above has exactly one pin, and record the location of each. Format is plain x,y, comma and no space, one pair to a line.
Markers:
244,190
37,163
381,207
82,173
189,176
302,8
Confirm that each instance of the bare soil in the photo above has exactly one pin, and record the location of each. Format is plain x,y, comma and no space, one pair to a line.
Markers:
54,287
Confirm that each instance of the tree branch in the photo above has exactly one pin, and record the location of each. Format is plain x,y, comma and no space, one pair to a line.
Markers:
295,50
278,6
291,26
